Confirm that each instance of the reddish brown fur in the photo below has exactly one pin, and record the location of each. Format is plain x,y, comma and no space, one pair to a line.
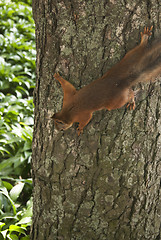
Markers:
113,89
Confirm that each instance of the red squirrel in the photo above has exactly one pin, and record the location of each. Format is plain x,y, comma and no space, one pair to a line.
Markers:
113,89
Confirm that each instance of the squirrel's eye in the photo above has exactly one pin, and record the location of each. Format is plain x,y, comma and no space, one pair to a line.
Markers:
59,122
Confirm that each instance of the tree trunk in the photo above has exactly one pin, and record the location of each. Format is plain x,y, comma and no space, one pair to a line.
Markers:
105,183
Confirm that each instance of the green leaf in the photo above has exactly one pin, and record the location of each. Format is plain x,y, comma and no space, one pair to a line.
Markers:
16,190
27,145
29,180
7,185
2,149
1,236
26,220
3,190
12,236
8,216
25,238
13,228
1,225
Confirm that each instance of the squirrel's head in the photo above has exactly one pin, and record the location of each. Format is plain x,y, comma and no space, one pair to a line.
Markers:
62,119
60,123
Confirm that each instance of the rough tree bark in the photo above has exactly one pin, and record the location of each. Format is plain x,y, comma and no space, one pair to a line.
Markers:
104,184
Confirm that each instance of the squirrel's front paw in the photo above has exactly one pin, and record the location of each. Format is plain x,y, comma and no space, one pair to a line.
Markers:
56,75
79,131
146,34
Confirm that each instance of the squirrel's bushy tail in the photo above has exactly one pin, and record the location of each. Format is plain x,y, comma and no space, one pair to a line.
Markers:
152,55
148,67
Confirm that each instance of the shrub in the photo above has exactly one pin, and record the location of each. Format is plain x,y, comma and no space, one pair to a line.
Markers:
17,80
17,75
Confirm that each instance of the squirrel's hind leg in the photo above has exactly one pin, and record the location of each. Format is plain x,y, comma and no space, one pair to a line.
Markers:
131,100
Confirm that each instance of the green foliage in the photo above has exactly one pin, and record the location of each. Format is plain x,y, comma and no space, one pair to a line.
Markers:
17,75
15,134
15,218
17,61
17,80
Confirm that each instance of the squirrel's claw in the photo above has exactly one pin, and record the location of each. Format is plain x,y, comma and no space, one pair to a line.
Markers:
79,131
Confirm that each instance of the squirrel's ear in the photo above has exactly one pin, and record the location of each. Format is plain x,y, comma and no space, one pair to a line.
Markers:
68,89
